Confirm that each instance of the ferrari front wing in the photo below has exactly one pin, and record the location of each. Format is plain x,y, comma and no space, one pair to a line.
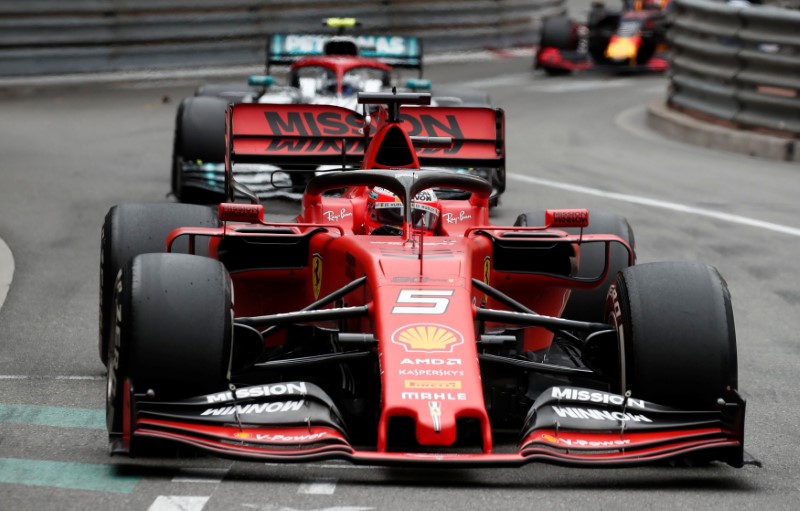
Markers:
574,60
298,422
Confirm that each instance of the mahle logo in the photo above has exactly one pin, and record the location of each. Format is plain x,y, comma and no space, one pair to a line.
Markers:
426,337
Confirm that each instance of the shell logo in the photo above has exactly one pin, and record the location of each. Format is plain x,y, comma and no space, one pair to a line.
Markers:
427,337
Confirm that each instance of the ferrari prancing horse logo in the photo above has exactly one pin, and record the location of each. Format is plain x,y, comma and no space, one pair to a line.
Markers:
316,274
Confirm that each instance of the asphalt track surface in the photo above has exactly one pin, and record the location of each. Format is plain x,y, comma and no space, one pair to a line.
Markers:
69,153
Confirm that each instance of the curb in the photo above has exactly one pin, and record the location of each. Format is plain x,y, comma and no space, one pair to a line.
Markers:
685,128
6,270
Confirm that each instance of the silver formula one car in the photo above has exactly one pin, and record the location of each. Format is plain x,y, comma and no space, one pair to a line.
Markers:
324,69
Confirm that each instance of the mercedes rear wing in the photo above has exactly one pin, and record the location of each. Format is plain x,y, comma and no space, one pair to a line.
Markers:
396,51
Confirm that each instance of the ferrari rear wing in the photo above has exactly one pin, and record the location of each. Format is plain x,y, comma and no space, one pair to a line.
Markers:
396,51
301,134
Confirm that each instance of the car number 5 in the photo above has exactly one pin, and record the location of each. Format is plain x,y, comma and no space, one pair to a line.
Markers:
428,301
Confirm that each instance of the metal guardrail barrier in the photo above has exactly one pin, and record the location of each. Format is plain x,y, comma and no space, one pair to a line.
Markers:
74,36
737,66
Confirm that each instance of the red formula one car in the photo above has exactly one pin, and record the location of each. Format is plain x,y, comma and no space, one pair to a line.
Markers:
388,326
631,39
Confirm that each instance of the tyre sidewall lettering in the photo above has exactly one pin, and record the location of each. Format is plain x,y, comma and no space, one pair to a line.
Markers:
102,264
114,359
615,318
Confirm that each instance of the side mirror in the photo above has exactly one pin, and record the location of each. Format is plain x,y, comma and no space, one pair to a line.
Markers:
260,81
566,218
416,84
234,212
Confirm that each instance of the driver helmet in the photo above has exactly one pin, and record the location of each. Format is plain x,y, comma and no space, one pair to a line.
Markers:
331,86
645,5
385,212
351,85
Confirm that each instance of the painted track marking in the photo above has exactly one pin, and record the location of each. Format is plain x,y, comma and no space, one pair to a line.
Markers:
655,203
178,503
200,475
6,270
56,416
318,487
333,466
72,378
59,474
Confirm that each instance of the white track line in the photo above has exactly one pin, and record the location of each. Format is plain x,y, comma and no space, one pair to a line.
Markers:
318,487
60,378
178,503
200,475
6,270
582,86
655,203
334,466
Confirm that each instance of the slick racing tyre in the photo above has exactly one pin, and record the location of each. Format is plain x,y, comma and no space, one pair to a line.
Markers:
558,33
199,137
172,330
133,229
676,334
587,304
231,93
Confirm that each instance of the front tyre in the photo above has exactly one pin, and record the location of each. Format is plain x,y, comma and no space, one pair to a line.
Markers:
676,334
173,330
559,33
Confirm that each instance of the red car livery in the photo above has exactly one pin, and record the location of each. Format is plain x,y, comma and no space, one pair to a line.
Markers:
460,344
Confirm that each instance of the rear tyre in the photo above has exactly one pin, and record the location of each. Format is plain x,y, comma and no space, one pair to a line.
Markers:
172,335
133,229
199,137
676,334
587,304
557,33
231,93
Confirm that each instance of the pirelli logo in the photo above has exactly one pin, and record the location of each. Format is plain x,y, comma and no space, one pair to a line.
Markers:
432,384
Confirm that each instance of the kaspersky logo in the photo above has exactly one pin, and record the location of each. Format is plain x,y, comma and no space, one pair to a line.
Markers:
427,338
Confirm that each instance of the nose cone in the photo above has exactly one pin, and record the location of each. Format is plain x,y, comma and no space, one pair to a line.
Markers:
622,48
